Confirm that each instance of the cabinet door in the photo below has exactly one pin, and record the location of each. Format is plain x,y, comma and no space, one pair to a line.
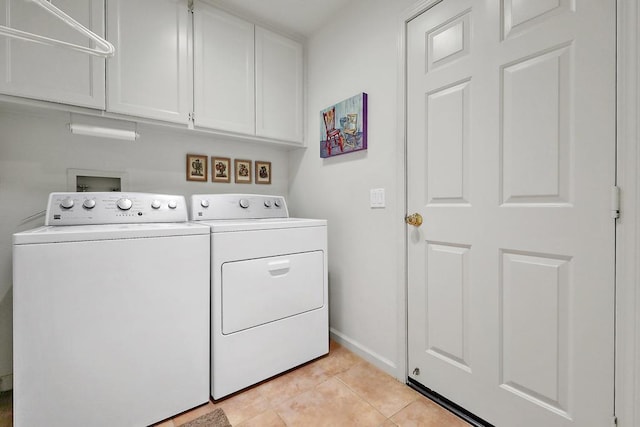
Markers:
278,87
51,73
150,74
224,71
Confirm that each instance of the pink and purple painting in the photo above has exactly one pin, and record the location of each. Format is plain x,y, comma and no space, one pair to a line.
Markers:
343,127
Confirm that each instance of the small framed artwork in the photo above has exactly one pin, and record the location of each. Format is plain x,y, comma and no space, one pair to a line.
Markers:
243,171
220,169
263,172
197,168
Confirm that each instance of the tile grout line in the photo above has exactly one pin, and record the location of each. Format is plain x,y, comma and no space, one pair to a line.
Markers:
416,398
273,406
362,398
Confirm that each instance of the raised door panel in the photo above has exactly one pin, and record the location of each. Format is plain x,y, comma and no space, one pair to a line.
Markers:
150,74
519,16
535,312
279,87
447,303
536,129
224,71
51,73
447,144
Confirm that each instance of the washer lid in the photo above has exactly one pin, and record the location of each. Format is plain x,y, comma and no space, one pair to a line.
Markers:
228,225
83,233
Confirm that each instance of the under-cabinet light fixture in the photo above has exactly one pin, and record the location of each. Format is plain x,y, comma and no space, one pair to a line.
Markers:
80,129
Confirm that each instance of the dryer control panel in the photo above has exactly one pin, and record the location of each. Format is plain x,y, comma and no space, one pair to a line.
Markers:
76,208
237,206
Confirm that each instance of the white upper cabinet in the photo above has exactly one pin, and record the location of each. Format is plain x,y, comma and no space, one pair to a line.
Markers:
278,87
248,80
224,91
233,76
150,74
51,73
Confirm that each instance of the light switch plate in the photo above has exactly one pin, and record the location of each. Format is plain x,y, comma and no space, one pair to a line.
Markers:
376,198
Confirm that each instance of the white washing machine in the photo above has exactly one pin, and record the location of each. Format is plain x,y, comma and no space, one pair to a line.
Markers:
269,301
111,312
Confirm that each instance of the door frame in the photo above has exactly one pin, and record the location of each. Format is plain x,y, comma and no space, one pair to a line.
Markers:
628,227
627,281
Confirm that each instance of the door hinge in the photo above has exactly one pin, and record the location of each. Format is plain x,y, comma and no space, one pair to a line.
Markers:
192,116
190,6
614,421
615,202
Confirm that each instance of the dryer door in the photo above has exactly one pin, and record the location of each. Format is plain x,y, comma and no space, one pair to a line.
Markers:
264,290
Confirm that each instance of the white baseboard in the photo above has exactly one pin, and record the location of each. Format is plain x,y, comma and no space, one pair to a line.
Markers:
367,354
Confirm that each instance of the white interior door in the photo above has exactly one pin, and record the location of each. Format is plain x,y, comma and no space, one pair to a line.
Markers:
511,160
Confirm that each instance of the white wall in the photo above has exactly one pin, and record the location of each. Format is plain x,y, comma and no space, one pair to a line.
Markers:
36,149
357,51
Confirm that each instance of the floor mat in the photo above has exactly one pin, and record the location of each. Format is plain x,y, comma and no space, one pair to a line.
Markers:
217,418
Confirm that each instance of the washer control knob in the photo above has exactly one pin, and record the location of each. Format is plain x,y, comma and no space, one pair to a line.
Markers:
204,203
67,203
124,204
267,203
89,204
244,203
277,203
156,204
172,204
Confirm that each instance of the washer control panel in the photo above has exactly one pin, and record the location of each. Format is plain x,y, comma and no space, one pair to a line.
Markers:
237,206
114,208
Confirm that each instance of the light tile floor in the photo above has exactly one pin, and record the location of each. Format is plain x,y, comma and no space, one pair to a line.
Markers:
339,389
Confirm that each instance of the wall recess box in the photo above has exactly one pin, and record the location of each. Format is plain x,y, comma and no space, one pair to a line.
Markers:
94,180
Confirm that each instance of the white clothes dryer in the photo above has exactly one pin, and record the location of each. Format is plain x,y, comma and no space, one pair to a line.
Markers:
269,300
111,312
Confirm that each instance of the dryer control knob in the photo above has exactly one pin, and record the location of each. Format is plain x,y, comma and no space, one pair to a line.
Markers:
124,204
277,203
244,203
156,204
204,203
267,203
89,204
67,203
172,204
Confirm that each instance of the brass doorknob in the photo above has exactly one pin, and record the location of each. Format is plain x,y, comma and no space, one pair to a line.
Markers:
414,219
